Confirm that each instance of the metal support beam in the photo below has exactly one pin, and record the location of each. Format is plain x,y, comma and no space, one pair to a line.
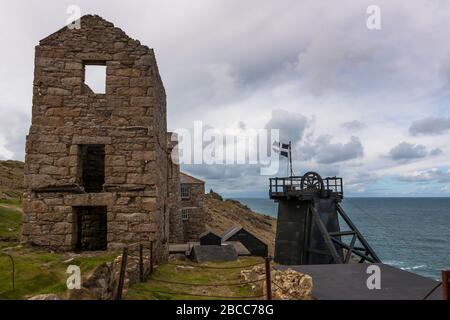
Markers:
359,254
323,230
350,250
360,237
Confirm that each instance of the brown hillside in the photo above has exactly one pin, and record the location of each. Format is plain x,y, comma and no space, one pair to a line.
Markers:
224,214
11,179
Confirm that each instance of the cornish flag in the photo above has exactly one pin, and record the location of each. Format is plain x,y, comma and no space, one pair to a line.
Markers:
281,148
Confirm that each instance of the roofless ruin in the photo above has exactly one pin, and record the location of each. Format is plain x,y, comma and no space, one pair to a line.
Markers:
98,168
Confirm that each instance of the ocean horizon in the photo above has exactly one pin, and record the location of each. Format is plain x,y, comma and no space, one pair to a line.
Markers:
412,234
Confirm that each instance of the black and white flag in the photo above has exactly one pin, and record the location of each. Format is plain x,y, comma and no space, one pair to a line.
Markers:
281,148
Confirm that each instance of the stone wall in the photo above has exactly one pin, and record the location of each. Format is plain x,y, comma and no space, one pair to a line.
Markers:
196,224
176,224
129,121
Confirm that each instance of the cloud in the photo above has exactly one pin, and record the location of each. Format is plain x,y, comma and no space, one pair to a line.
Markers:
14,127
434,174
353,125
325,152
338,152
221,172
291,125
430,126
327,66
436,152
408,151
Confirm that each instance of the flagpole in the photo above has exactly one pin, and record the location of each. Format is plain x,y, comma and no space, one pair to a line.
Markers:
290,158
287,165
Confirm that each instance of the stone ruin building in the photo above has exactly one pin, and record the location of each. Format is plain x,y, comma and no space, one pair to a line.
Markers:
192,191
98,170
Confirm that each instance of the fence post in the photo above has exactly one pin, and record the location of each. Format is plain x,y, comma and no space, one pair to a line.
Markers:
268,280
123,267
141,263
445,284
151,257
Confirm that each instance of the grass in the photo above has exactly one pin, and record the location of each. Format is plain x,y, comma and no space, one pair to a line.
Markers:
10,221
37,271
12,202
181,272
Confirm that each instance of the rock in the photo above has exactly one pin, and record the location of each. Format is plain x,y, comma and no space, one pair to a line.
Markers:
287,285
50,296
292,285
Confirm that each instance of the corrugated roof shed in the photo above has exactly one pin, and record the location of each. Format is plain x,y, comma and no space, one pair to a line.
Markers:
254,245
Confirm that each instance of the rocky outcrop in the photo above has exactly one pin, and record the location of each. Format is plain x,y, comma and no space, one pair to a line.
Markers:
286,285
102,282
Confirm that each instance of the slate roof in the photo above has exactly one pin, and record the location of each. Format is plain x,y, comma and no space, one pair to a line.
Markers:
231,232
185,178
206,233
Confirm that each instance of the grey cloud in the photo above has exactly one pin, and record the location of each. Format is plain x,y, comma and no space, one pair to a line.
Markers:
337,152
362,179
325,152
353,125
430,126
436,152
242,125
14,128
291,125
430,175
408,151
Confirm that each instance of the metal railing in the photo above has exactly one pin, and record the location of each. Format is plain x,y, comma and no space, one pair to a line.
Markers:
287,185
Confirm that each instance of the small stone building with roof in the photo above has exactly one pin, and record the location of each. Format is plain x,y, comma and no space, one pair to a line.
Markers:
193,215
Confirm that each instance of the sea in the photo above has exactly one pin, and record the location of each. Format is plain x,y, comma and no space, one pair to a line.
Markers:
408,233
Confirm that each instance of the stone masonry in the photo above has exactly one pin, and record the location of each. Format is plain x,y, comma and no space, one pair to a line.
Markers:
193,215
96,165
176,224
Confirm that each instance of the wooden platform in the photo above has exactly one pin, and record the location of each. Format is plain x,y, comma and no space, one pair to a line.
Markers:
348,282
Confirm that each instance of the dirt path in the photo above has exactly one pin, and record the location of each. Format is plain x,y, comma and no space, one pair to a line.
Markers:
10,206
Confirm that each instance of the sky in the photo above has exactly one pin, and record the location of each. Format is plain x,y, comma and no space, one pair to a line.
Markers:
369,105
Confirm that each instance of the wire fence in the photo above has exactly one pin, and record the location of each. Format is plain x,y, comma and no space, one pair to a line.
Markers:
149,276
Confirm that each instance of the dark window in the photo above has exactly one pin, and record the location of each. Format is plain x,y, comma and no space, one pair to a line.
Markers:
185,192
92,160
185,214
90,228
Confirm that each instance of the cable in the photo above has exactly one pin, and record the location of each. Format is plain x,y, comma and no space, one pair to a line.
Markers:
432,290
205,295
219,268
207,284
